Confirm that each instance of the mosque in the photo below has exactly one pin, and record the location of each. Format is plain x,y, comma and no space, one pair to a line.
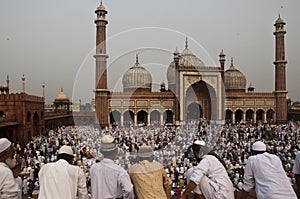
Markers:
195,90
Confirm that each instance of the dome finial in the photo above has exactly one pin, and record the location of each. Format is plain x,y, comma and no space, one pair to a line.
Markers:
186,41
231,61
61,90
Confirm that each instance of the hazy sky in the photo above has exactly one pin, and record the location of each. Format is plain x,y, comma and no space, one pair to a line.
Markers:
53,41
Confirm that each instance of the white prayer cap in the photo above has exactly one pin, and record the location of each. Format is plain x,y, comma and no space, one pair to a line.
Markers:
4,144
66,150
145,152
108,143
199,142
259,146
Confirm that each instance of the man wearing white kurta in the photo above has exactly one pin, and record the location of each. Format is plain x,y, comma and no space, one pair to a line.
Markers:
209,175
9,187
61,179
265,173
109,180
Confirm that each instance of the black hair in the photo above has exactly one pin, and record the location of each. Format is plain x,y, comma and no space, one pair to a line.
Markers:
67,157
257,152
196,147
109,154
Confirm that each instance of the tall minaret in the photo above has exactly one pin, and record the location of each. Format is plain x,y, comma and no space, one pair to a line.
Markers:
280,76
7,84
101,92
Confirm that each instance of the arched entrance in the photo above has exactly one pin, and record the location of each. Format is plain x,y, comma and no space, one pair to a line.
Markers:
142,117
228,117
270,115
2,114
36,124
128,117
115,117
205,96
238,115
260,115
249,115
194,111
155,117
168,117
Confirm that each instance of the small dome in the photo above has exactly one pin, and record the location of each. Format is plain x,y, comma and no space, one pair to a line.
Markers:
234,79
137,77
101,7
62,96
187,59
279,20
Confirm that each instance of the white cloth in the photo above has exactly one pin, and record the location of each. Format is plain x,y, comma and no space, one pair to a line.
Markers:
109,180
62,180
9,188
265,173
296,167
212,179
188,175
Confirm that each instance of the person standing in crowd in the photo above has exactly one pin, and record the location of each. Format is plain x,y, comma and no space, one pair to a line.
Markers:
109,180
61,179
9,187
209,175
149,178
265,173
296,171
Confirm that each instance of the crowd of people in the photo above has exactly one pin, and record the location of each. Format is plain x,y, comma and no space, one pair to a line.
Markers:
171,145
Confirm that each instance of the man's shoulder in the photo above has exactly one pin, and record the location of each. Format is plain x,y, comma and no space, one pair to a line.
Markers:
4,170
145,166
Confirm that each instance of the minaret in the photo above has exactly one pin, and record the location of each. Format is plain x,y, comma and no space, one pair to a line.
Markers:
101,92
280,76
7,84
222,63
43,90
23,83
177,85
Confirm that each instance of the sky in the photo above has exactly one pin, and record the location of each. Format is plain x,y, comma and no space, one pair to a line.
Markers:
54,41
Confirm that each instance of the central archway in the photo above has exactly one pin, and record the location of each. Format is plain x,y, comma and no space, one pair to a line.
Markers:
204,97
194,111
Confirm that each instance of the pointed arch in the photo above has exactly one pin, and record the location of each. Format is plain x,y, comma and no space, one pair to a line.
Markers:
142,117
115,117
239,115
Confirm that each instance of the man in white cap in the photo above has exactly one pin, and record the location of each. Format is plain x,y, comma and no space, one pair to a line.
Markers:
209,175
61,179
265,173
149,178
109,180
9,187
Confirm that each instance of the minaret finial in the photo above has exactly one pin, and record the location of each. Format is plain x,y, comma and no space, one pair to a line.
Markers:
231,61
61,90
101,2
186,41
137,58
